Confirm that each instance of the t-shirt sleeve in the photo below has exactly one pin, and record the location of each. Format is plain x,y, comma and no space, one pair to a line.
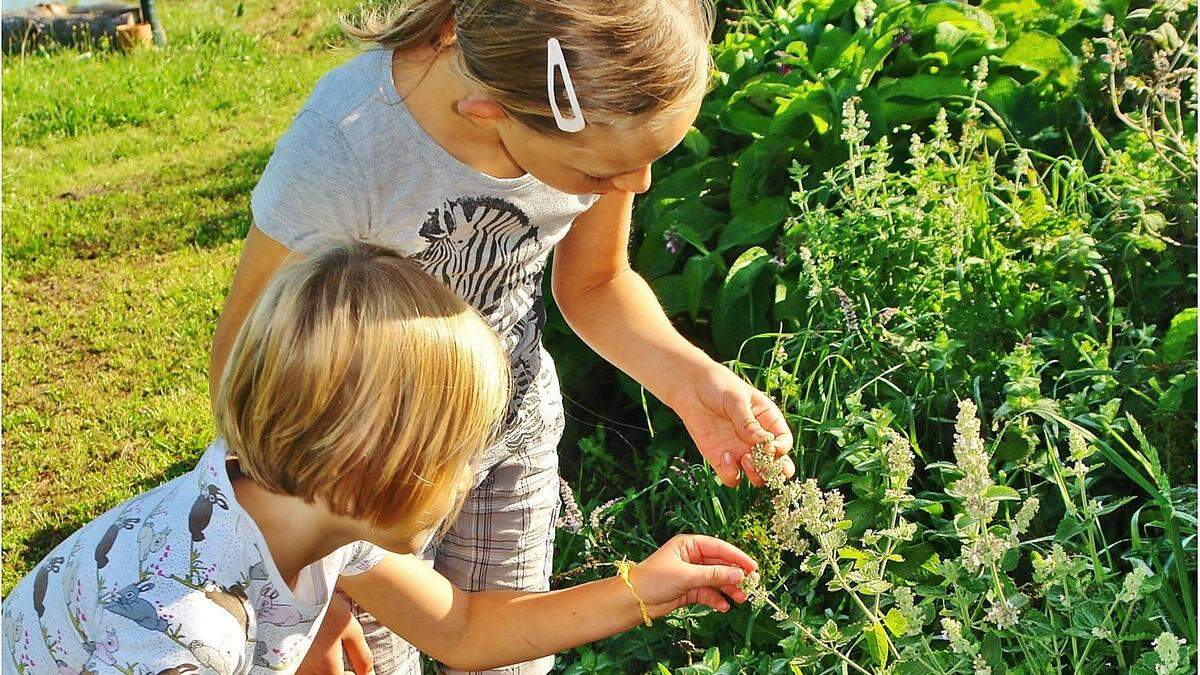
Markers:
362,557
314,189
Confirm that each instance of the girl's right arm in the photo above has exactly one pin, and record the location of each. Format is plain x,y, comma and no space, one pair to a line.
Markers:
261,257
490,629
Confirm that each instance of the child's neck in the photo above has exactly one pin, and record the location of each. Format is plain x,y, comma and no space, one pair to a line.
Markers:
431,89
297,533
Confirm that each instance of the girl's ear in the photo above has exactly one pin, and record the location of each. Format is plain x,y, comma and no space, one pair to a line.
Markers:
480,109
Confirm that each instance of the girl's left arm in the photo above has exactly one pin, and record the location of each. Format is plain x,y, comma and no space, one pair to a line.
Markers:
617,314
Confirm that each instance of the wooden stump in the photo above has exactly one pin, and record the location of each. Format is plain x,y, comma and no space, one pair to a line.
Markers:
94,25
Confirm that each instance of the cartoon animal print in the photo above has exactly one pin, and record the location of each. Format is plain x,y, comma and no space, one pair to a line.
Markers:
487,251
257,572
475,248
267,609
202,510
260,655
105,652
151,540
232,600
209,657
41,581
110,537
181,669
128,603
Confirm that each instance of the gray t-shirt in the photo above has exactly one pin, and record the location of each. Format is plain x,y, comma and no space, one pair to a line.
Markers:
356,164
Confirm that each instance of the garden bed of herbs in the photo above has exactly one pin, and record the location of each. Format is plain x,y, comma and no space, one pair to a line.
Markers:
957,243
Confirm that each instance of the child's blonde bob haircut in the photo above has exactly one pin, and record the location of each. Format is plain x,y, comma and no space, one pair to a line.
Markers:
361,381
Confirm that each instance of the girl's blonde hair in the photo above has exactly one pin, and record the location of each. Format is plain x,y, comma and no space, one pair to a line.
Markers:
361,381
626,57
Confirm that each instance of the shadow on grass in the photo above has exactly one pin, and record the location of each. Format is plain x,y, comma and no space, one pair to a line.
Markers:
28,552
205,206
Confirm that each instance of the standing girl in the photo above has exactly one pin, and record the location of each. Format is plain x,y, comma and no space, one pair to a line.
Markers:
478,135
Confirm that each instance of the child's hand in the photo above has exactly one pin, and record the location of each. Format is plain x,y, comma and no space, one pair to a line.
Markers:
726,417
691,569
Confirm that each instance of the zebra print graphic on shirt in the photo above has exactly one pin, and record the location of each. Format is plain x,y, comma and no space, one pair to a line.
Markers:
487,251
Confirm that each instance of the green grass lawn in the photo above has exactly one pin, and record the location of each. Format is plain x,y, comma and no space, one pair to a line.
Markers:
126,193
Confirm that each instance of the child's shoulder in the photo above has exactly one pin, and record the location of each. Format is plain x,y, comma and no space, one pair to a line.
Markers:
139,576
344,90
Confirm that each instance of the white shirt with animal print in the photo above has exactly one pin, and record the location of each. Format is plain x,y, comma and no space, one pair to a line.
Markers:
175,581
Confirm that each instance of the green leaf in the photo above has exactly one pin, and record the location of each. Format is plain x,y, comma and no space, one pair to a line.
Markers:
671,293
740,310
754,224
851,553
836,49
877,643
954,25
1180,341
697,273
697,143
1043,54
742,117
761,171
896,622
1002,493
923,86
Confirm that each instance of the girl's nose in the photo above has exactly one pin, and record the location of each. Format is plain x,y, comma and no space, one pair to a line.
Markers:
636,182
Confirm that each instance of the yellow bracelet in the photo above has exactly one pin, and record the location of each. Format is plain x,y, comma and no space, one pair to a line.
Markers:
623,567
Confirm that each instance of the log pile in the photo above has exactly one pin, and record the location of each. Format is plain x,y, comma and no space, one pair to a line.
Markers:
94,25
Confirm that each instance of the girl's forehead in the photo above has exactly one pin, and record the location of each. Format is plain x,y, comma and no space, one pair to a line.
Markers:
613,150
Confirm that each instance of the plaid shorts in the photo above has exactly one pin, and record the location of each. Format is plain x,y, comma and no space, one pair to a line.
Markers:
503,539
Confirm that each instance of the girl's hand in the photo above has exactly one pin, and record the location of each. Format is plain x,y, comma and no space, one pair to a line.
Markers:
340,633
691,569
726,417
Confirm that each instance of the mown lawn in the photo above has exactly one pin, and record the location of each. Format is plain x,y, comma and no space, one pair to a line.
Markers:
126,187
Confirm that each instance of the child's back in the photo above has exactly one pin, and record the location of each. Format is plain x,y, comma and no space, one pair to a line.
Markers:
181,567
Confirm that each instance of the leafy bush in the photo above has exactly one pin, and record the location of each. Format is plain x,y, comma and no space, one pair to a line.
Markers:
879,283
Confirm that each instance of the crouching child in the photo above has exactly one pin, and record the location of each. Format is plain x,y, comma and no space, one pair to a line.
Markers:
357,398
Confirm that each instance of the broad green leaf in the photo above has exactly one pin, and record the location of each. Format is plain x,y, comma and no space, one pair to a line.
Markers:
671,293
740,310
1015,12
1043,54
811,108
761,171
835,49
1180,341
743,117
697,273
754,224
954,25
924,87
696,143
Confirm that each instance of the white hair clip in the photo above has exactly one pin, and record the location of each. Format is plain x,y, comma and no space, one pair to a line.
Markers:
556,59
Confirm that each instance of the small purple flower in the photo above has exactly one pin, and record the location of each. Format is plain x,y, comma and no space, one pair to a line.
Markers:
673,242
902,38
571,518
785,69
